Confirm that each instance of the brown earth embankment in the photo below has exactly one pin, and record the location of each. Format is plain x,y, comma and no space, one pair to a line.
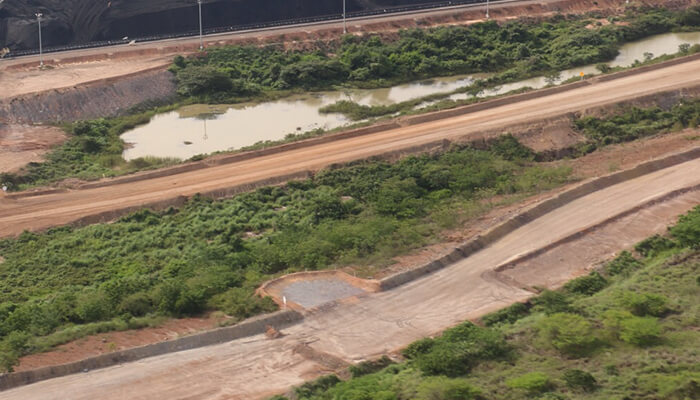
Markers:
103,98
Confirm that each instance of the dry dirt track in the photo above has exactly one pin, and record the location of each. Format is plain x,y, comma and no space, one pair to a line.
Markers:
377,323
40,212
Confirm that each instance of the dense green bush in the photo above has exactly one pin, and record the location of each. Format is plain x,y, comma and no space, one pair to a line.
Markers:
533,383
644,304
687,229
318,386
459,349
623,264
442,388
639,331
507,315
516,49
552,302
633,123
571,334
580,380
654,245
587,285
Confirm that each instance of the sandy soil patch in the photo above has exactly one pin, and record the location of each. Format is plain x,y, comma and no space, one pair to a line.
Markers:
30,80
22,144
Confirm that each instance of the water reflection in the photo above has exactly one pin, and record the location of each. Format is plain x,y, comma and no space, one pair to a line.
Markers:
201,129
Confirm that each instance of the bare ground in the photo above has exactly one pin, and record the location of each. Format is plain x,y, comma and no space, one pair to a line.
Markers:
22,144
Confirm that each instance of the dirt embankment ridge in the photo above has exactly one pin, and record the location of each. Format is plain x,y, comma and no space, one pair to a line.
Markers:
104,98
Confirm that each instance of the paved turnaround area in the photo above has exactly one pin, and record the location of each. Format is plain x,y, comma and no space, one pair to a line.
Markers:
40,212
256,367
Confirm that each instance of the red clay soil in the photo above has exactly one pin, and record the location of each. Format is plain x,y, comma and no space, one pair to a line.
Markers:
22,144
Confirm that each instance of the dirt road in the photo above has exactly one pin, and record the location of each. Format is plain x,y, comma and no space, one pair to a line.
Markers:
255,367
40,212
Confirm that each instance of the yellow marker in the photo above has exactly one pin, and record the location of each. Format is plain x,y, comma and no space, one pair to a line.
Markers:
582,74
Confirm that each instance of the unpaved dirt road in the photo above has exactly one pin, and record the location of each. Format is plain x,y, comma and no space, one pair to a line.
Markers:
40,212
377,323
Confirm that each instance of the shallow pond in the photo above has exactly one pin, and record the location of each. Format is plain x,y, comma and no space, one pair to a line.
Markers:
201,129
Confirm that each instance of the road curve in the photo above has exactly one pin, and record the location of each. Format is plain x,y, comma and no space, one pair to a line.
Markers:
44,211
377,323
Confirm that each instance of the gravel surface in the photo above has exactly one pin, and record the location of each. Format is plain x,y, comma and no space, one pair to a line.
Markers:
319,291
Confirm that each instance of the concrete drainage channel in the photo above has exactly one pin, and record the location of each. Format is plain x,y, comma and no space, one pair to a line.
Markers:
340,285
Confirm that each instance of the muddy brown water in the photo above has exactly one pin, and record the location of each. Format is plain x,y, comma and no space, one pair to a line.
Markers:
203,129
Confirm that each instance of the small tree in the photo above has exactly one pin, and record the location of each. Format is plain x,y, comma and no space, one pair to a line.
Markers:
580,380
571,334
533,383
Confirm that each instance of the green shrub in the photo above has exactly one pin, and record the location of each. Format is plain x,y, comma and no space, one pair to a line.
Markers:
418,348
580,380
12,347
316,387
506,315
137,305
654,245
687,229
640,331
461,348
644,304
533,383
587,285
623,264
571,334
509,148
552,302
442,388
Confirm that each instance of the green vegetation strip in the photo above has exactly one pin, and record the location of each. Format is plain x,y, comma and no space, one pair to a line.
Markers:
514,50
626,332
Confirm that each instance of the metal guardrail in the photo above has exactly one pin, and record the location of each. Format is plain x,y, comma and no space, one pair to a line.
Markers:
265,25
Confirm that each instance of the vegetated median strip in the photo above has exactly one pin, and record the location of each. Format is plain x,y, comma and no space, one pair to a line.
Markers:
411,120
287,318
